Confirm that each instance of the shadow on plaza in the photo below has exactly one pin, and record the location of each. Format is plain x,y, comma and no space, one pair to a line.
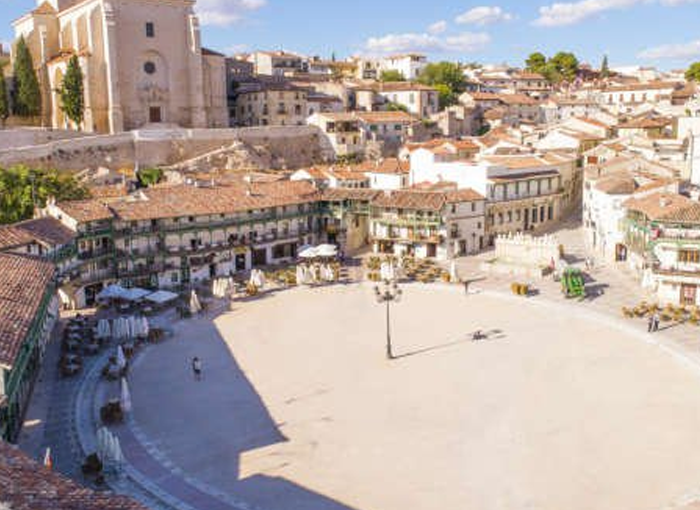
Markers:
229,417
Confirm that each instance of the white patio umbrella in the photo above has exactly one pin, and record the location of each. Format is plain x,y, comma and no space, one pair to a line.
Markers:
195,305
308,253
121,359
118,453
326,250
102,443
145,327
125,398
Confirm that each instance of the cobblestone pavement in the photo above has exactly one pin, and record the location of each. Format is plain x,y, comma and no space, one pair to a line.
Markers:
614,283
58,413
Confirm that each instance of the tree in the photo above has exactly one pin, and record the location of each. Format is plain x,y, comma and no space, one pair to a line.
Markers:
4,100
22,188
149,176
536,62
447,78
391,75
693,72
605,68
562,66
396,107
72,95
28,98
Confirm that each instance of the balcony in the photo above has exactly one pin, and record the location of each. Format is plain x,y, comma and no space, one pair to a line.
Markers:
410,237
406,220
95,254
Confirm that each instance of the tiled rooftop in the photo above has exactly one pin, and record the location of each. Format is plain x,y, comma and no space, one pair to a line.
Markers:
26,485
22,288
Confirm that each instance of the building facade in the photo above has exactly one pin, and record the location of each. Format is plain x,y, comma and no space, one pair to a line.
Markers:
28,313
142,63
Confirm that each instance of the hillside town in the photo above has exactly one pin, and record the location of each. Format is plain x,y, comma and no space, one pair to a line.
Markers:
157,193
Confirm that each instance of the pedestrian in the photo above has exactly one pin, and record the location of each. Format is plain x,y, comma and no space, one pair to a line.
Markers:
656,322
650,326
197,368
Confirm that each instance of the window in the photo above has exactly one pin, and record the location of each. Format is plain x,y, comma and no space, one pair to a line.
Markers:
149,67
689,256
150,29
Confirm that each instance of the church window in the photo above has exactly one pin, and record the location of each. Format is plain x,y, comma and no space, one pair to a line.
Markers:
150,29
149,67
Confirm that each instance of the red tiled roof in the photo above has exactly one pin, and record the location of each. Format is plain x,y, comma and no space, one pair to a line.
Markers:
26,485
47,231
22,287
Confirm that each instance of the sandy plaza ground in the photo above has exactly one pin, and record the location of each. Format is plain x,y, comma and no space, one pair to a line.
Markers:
560,408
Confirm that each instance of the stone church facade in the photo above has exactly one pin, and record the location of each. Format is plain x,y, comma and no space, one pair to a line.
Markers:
142,61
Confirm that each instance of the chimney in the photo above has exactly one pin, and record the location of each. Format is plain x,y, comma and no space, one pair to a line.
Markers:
664,202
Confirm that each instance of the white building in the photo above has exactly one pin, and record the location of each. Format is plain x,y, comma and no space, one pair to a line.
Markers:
409,65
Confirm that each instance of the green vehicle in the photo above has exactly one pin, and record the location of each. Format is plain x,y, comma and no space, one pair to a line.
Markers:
572,284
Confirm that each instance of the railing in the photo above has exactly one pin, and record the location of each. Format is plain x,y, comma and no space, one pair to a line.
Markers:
406,220
234,222
95,254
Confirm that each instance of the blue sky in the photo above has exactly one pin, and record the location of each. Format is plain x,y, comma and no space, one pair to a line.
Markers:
665,33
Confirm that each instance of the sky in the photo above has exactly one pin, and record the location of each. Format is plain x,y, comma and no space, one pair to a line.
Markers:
661,33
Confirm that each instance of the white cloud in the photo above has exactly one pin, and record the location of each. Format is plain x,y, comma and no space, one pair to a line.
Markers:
560,14
569,13
466,42
226,12
684,51
483,16
438,27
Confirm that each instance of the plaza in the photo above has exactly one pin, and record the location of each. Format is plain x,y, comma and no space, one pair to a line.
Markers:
559,407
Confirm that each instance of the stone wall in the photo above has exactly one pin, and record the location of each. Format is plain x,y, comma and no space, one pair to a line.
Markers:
288,147
26,136
527,250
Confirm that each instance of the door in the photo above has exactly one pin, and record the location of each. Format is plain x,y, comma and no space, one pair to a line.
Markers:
259,257
154,115
688,294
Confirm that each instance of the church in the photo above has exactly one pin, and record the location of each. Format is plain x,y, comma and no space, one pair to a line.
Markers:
142,63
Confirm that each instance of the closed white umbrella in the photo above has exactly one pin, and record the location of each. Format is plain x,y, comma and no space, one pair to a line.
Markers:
121,359
454,277
118,453
145,327
125,398
195,306
102,444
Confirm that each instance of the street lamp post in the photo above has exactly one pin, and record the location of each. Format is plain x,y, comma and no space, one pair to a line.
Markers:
388,293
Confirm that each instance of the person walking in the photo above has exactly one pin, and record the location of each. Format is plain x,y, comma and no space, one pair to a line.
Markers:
656,322
650,325
197,368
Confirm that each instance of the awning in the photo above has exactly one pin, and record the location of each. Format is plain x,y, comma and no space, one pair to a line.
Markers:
162,296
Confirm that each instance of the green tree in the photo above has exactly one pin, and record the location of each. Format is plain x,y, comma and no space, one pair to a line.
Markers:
72,95
447,78
693,72
391,75
562,66
28,98
605,67
149,176
22,188
396,107
536,62
4,100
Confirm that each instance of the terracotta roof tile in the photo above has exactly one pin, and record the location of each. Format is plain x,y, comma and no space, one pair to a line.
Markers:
47,231
26,485
22,287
